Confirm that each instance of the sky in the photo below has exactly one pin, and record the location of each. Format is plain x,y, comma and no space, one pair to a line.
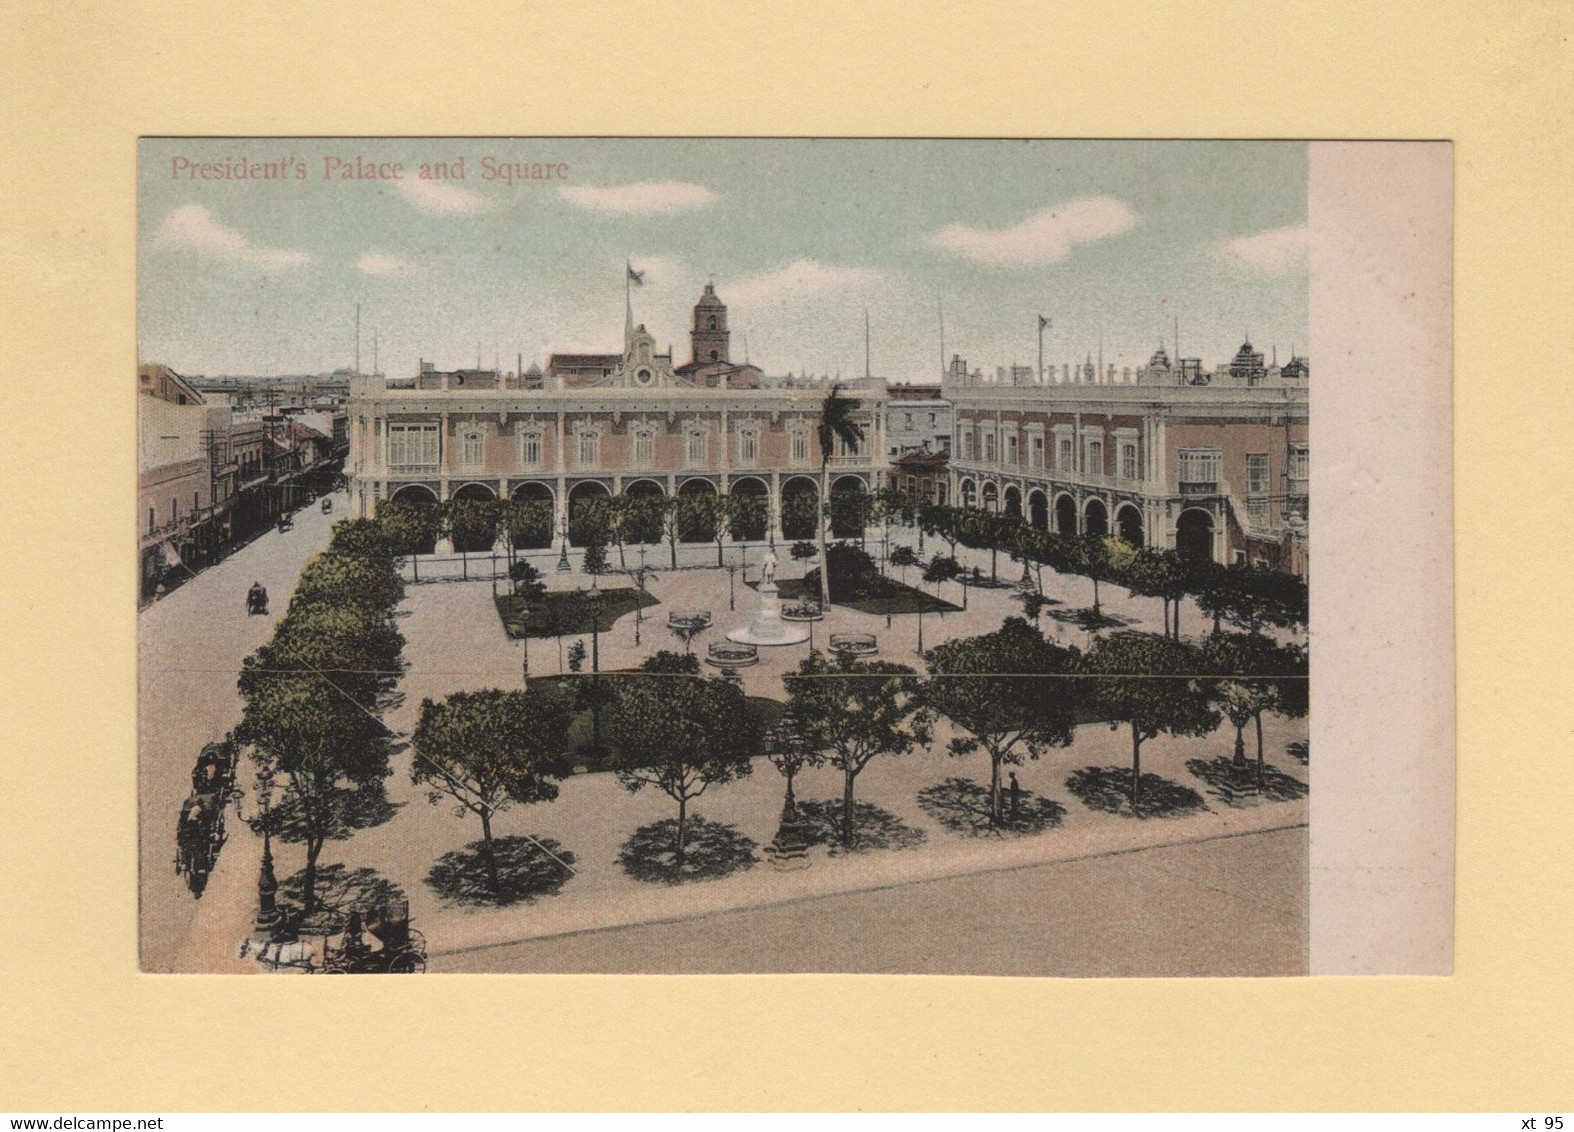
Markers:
261,274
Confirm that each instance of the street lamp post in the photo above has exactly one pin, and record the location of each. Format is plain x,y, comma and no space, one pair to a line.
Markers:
732,570
595,666
269,918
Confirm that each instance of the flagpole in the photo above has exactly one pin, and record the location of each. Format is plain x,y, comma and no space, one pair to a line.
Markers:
1041,349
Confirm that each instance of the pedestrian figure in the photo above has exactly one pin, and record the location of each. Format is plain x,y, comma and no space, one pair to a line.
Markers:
1016,798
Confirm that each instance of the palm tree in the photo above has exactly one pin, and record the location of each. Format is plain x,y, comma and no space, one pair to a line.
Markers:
836,423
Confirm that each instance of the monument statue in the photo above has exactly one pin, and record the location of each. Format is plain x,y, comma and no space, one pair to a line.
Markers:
768,569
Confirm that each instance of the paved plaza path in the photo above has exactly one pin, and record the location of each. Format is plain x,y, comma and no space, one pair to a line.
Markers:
455,640
1223,907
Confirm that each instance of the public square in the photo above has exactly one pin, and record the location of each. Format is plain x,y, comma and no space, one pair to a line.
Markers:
1240,869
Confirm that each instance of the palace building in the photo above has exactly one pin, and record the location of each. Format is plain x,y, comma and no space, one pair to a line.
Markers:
590,425
1214,465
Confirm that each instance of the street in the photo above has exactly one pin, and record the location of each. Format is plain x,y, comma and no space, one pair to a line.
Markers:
1229,906
190,646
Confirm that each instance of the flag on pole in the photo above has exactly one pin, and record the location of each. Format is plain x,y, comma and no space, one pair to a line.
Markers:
1042,322
635,277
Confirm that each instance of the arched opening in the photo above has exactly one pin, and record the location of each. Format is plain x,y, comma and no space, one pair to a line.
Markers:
531,525
991,497
582,508
799,507
1038,510
473,529
848,507
969,494
1095,518
418,496
1065,515
643,524
693,529
750,525
1128,524
1194,535
1013,503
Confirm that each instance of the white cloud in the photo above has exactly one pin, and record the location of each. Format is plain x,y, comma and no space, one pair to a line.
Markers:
1276,250
191,227
443,198
641,197
383,265
801,279
1044,237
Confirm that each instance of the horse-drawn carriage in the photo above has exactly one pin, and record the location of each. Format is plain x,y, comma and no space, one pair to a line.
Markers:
401,949
199,831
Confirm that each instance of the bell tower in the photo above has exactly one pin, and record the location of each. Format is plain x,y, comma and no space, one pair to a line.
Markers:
709,336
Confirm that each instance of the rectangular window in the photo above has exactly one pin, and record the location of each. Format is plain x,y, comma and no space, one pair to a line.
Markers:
845,449
1300,462
411,446
642,449
1128,461
471,449
1199,470
529,449
989,447
1063,457
800,448
1256,473
748,447
193,502
932,420
1011,450
696,449
1038,452
1257,512
907,420
589,449
1096,457
172,506
152,523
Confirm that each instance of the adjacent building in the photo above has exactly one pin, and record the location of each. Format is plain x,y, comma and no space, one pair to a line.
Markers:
917,417
594,425
209,476
1212,464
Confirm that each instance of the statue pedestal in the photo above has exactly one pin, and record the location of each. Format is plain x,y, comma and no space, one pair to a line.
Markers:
767,627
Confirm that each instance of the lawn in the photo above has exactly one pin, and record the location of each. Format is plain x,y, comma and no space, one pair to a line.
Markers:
890,596
580,732
614,604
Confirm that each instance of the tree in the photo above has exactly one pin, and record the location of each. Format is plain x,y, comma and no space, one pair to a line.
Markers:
565,613
1010,691
1153,685
803,551
472,523
412,528
836,424
595,560
529,586
852,711
1157,572
981,530
1091,558
529,523
641,519
490,749
902,557
1258,676
336,578
941,569
940,522
314,696
682,735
